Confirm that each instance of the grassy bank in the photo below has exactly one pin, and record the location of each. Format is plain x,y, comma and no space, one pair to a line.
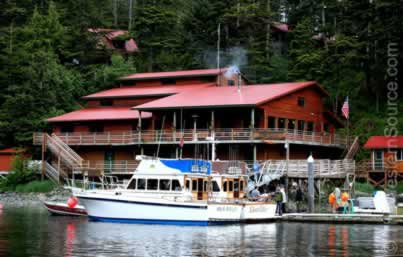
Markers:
36,186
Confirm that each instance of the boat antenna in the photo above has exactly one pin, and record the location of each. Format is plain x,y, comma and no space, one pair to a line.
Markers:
160,136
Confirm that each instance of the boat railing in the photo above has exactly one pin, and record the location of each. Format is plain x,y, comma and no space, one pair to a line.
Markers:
105,184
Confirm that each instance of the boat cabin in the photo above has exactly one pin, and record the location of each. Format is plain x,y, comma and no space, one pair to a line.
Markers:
176,177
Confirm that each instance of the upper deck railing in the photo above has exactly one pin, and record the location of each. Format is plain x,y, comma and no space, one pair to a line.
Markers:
190,136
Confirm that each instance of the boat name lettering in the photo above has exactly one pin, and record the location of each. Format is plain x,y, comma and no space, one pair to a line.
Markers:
257,209
226,209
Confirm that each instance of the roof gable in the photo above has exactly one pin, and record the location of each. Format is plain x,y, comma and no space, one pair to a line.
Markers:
384,142
250,95
173,74
99,114
142,91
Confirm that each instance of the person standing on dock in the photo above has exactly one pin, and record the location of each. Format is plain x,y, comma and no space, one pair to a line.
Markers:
298,198
279,200
284,196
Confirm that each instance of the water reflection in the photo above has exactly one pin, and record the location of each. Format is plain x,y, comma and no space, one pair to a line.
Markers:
32,232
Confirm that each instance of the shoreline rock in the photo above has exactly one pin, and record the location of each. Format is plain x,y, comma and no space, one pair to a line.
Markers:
17,199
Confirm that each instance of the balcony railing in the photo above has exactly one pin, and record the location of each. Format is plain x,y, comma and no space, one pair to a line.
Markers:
98,168
366,166
220,135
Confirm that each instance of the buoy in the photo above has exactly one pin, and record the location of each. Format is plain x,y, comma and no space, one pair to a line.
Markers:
332,198
72,202
344,197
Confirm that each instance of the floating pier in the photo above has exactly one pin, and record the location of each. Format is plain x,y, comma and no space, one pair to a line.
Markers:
342,218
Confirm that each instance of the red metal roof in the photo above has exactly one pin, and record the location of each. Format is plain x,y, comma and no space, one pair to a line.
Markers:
141,91
383,142
8,151
250,95
171,74
100,113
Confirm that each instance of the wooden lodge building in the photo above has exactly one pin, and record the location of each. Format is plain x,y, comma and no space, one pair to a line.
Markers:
385,162
210,114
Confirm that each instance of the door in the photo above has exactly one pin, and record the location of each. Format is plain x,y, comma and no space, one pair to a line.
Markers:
199,189
236,188
378,160
108,161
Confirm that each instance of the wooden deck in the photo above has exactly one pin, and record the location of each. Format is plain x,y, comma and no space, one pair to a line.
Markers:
200,136
342,218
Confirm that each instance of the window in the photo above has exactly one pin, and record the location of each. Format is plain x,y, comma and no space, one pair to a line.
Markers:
132,184
106,102
225,186
231,82
326,127
141,184
281,123
168,81
241,186
67,129
194,185
176,186
310,126
205,186
231,186
152,184
301,101
165,184
272,122
291,124
187,185
96,128
215,186
236,186
301,124
399,155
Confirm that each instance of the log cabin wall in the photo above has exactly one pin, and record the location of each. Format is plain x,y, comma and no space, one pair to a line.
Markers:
304,105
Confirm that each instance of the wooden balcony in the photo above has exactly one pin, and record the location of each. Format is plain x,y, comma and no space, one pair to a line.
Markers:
200,136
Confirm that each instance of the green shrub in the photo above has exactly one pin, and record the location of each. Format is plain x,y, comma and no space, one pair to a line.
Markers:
19,175
36,186
364,187
399,187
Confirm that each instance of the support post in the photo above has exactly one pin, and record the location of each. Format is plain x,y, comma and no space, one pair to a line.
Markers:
287,147
254,153
44,139
311,189
212,126
174,127
139,127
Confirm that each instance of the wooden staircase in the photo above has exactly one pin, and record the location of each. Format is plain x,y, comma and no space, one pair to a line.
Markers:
353,149
67,159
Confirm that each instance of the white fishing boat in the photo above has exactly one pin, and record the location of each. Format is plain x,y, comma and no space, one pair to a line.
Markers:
171,191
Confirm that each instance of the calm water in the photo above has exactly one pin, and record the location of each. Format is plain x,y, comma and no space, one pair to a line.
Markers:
30,231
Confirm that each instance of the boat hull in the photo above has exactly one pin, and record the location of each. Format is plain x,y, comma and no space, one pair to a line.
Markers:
64,209
157,211
136,211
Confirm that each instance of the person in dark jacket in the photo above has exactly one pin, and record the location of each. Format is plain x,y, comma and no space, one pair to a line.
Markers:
298,198
278,197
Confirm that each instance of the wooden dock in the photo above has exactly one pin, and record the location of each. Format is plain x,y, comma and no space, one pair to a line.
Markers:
342,218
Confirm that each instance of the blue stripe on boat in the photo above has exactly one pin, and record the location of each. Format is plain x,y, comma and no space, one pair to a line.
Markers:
144,203
151,221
